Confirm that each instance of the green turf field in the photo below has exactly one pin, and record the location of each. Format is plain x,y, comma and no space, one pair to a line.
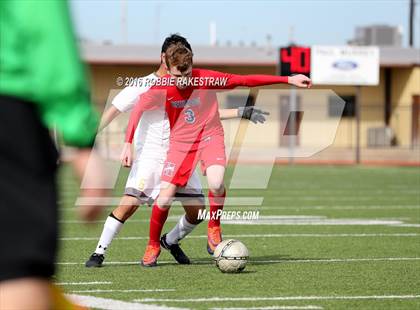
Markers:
334,238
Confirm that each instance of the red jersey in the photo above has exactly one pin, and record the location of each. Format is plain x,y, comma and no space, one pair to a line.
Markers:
193,112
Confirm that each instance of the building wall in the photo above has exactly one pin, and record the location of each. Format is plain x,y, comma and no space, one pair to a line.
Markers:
405,83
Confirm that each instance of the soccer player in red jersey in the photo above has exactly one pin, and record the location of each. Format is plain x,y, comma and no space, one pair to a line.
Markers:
189,98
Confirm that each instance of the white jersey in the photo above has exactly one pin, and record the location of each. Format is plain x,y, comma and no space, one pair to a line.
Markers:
152,133
151,142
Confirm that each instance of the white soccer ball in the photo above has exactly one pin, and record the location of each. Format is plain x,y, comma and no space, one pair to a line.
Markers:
231,256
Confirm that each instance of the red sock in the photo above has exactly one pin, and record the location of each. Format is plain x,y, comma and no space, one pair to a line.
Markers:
216,203
157,220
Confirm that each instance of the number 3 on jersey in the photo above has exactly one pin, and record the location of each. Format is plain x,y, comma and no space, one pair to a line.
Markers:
189,116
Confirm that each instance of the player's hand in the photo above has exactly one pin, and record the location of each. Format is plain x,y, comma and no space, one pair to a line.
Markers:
90,169
300,80
253,114
127,155
93,209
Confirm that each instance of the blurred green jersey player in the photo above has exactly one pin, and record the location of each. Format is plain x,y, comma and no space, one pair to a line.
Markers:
42,84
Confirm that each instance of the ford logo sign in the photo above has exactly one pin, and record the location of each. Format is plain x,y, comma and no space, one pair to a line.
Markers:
345,65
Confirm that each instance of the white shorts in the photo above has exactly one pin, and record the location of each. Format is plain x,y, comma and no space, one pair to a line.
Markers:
144,182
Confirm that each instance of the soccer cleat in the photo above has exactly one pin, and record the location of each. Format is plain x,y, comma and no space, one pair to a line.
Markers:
150,256
175,251
95,260
214,237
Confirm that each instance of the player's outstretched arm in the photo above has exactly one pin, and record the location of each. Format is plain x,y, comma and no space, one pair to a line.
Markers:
254,80
108,117
124,101
228,113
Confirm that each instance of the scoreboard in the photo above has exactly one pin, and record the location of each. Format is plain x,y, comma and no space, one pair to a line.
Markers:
295,60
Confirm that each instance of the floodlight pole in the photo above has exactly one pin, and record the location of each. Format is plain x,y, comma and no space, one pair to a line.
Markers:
411,24
357,107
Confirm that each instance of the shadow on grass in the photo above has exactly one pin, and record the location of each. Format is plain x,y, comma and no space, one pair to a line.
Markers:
277,259
207,260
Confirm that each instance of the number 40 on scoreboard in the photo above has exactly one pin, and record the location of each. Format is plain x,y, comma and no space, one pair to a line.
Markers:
295,60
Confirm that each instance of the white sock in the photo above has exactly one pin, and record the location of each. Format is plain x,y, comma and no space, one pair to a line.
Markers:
181,229
111,228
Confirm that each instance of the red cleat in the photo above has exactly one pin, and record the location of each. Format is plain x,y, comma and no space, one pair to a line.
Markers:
214,237
150,256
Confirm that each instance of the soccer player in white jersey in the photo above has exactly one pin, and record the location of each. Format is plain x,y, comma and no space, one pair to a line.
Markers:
143,182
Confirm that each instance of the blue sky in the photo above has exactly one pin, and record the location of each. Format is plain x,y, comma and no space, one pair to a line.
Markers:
313,21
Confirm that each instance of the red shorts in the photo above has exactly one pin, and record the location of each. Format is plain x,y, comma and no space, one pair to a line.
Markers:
180,163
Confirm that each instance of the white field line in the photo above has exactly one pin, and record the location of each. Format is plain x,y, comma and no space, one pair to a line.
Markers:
408,225
313,220
112,304
286,223
294,220
317,207
336,260
314,192
263,236
309,307
335,198
217,299
304,189
284,261
349,207
115,201
125,291
83,283
75,188
297,184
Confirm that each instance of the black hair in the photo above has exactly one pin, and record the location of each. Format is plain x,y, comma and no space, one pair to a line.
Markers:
173,39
